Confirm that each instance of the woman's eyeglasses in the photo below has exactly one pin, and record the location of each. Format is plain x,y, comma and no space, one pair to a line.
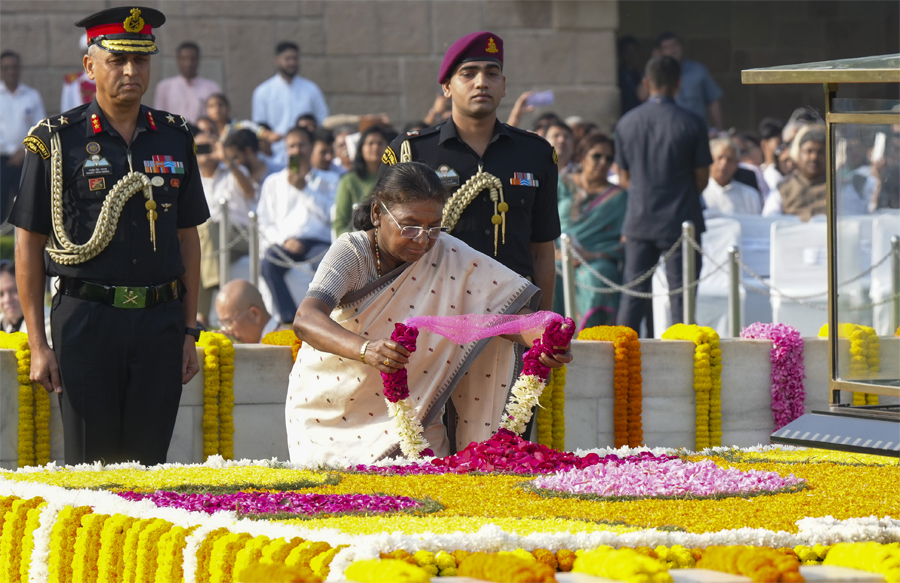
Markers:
599,157
414,232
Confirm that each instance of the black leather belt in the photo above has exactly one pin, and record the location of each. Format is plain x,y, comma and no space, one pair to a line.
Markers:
120,296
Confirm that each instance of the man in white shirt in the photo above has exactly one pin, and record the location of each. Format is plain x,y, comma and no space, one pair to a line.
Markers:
242,313
722,195
294,218
78,88
280,100
21,108
185,94
222,178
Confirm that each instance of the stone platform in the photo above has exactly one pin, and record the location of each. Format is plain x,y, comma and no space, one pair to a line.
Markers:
261,374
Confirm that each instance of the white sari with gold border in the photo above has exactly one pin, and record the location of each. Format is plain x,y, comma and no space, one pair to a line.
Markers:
336,411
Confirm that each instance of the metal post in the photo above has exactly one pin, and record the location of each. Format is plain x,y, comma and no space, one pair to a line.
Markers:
734,293
688,265
254,248
568,275
224,256
895,282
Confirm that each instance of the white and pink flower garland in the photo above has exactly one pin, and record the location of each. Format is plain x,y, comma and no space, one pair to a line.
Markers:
788,371
524,394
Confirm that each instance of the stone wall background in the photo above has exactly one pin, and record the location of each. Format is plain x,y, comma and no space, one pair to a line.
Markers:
367,55
383,55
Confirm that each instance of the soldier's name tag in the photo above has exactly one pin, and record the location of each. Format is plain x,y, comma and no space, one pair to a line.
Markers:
96,165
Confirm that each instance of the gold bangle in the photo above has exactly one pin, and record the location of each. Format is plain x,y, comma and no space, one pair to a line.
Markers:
362,351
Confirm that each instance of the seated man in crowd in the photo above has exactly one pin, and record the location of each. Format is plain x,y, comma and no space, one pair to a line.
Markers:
723,195
222,179
241,148
242,313
11,317
323,150
294,218
803,192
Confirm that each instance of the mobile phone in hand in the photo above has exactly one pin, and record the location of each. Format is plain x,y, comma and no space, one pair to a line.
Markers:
540,98
294,164
204,149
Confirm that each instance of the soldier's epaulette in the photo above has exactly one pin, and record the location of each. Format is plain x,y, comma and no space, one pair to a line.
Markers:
423,132
38,136
158,117
553,156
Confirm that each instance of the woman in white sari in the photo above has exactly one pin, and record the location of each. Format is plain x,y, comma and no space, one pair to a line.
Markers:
399,264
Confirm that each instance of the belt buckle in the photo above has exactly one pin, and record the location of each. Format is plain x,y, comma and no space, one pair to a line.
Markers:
130,297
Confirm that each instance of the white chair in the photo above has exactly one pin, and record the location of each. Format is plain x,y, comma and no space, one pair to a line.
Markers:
885,225
712,294
755,247
799,267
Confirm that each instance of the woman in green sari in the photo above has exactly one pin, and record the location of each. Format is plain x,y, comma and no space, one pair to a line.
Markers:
591,211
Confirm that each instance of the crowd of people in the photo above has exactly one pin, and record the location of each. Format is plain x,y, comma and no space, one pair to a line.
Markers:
303,172
458,213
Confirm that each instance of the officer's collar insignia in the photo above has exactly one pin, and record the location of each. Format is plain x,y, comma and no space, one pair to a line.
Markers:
184,123
63,120
491,46
170,118
555,157
135,23
150,120
95,123
92,148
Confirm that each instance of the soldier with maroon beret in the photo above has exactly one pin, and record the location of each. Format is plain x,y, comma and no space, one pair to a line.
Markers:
503,178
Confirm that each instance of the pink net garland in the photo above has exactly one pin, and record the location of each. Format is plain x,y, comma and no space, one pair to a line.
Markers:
471,327
557,336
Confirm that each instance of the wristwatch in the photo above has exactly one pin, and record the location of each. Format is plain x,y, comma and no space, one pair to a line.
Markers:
195,332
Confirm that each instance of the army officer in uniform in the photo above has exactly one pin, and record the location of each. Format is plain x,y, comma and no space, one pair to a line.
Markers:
503,178
109,201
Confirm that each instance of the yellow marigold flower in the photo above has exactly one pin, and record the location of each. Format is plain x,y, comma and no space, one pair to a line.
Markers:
321,563
424,558
87,547
506,568
62,542
305,552
171,555
32,522
444,560
221,559
546,557
14,522
277,573
870,556
385,571
622,565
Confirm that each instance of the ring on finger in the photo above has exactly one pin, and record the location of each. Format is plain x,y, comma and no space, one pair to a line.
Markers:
387,362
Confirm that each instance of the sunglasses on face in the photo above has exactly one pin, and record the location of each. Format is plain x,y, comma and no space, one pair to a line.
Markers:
599,157
414,232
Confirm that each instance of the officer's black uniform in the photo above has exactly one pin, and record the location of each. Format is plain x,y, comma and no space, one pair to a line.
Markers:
512,155
120,367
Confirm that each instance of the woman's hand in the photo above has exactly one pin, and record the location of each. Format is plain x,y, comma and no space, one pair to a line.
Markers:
387,356
557,360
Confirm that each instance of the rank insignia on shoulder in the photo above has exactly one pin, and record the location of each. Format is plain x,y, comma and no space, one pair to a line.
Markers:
170,118
150,120
413,133
34,145
389,157
555,158
95,123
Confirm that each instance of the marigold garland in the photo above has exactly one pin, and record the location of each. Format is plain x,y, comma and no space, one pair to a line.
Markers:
386,571
34,405
284,338
62,542
622,565
868,556
865,356
761,564
15,523
627,382
551,413
788,371
218,394
707,380
498,567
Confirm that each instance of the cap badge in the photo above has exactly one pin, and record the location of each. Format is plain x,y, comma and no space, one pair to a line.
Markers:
491,46
134,23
